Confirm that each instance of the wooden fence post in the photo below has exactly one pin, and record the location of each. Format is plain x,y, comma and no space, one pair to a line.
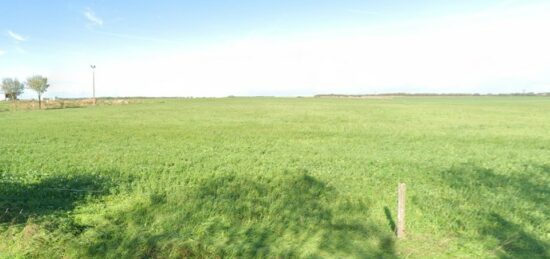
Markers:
401,196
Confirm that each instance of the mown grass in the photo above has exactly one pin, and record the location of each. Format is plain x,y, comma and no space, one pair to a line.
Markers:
275,177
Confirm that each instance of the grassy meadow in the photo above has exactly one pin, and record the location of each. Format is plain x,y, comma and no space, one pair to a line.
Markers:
277,178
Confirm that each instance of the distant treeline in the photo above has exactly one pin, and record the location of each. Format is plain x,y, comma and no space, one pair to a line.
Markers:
430,94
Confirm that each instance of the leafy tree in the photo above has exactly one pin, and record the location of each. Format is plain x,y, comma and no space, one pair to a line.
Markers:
12,88
40,85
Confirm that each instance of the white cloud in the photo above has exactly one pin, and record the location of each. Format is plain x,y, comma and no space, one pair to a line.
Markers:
2,52
92,18
16,37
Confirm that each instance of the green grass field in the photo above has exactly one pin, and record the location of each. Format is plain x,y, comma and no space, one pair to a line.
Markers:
277,177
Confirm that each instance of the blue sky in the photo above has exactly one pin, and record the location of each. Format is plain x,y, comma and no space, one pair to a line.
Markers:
219,48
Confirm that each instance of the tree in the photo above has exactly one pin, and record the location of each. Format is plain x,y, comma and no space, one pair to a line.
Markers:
40,85
12,88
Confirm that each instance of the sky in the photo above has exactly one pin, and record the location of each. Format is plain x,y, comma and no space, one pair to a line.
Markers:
219,48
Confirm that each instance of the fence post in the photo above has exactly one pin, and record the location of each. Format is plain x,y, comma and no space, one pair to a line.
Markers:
401,196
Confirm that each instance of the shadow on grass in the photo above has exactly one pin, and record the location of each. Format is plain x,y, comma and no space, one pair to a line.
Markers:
391,222
49,196
502,207
242,217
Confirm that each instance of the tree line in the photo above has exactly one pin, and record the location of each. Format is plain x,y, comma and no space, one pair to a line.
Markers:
432,94
12,87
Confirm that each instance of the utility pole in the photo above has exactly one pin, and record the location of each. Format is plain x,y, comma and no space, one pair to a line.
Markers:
93,82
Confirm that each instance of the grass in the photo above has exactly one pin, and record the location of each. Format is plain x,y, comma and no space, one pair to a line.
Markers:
276,177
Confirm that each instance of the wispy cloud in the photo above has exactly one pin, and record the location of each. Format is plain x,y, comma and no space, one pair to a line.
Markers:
17,37
92,17
2,52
